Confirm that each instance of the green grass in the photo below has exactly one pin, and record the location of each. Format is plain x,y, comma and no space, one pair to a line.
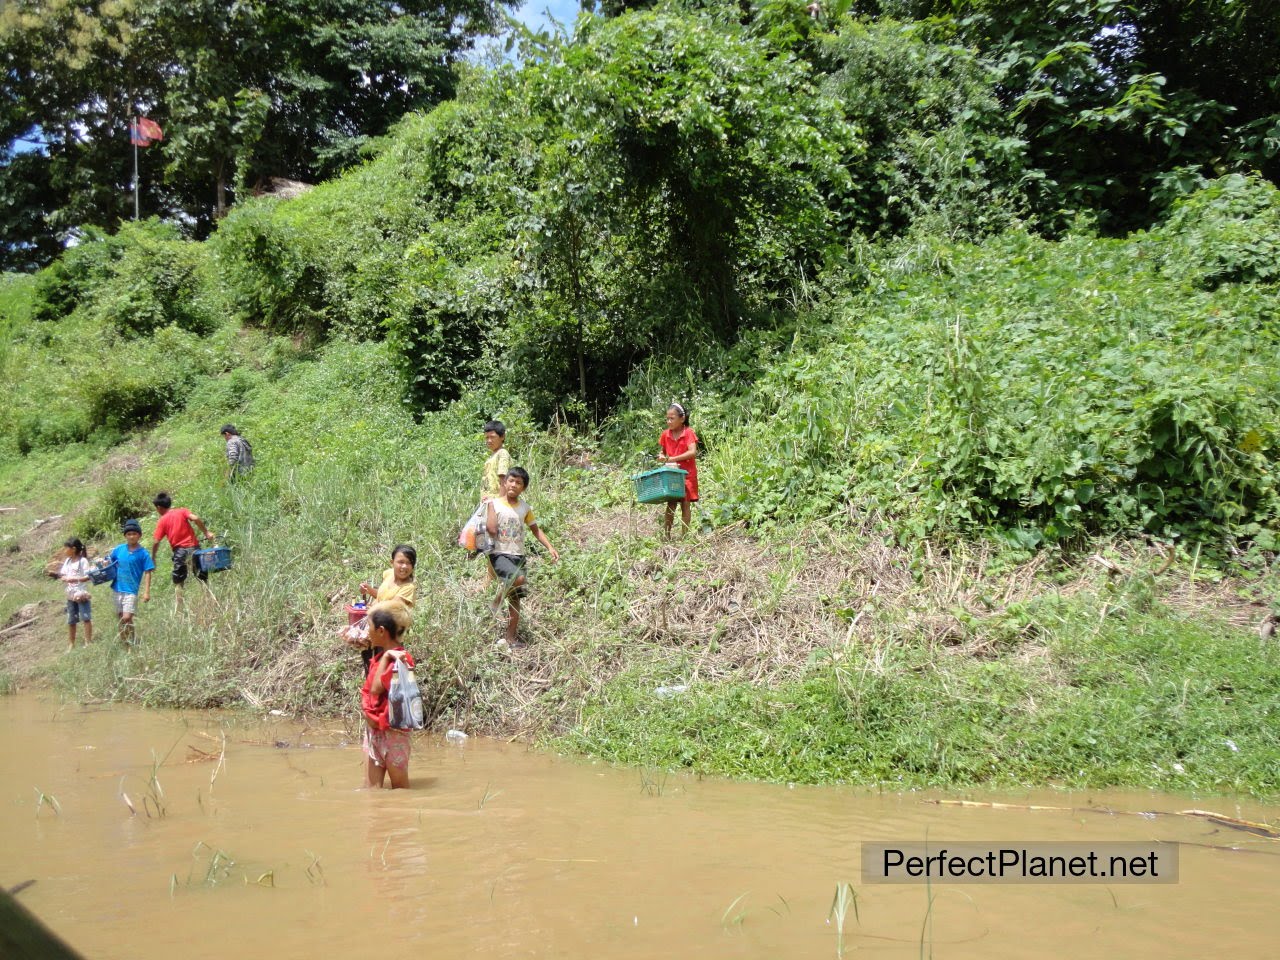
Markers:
1151,699
1051,691
1107,687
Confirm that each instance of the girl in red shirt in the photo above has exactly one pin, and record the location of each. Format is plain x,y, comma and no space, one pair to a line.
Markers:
386,749
679,445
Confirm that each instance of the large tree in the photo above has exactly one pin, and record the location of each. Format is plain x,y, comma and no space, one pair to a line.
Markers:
1126,102
245,89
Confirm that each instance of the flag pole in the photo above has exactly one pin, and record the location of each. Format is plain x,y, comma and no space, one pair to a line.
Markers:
133,130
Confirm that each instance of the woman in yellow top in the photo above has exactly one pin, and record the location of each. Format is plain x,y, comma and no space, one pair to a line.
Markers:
397,583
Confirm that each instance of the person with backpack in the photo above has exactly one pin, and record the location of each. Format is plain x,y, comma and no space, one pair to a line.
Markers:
239,452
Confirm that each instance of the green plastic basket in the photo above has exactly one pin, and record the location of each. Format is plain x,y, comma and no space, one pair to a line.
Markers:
664,485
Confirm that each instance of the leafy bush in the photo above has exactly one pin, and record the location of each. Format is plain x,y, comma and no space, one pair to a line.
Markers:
62,285
1046,390
1227,232
940,150
157,280
122,497
144,382
50,425
269,279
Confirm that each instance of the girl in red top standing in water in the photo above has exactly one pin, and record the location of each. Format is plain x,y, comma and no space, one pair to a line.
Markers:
679,445
386,749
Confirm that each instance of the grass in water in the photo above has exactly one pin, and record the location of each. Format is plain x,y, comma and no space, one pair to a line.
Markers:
216,871
314,871
844,898
736,912
489,794
653,784
47,800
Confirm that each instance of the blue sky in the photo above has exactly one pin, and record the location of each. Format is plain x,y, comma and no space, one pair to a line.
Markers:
533,12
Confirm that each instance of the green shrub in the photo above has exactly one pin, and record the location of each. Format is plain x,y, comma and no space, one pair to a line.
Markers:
1226,232
158,280
441,317
143,382
62,285
270,281
122,497
941,151
1044,390
53,425
17,300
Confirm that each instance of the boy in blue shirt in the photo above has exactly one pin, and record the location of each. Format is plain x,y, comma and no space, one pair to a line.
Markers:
133,570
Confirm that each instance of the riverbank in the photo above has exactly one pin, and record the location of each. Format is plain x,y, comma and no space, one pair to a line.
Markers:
819,653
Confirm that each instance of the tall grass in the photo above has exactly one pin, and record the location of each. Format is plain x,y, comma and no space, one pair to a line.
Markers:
819,653
1141,697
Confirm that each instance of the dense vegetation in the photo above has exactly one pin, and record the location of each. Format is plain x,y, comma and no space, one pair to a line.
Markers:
243,91
894,268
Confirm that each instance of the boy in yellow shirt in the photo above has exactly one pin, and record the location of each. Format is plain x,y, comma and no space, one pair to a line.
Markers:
494,475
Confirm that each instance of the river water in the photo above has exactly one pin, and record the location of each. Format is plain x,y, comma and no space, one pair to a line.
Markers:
253,838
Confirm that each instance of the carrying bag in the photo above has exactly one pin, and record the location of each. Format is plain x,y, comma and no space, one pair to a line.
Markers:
474,536
104,572
404,699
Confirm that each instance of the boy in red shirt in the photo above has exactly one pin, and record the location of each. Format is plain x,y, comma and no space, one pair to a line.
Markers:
175,525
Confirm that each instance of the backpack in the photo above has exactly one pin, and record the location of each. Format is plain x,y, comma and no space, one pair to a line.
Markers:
244,455
404,700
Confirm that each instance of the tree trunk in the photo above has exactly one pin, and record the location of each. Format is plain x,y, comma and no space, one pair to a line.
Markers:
220,202
575,295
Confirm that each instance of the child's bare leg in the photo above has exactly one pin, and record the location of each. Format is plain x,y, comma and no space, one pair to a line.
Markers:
374,773
127,632
670,517
71,636
685,514
399,777
513,611
88,632
177,596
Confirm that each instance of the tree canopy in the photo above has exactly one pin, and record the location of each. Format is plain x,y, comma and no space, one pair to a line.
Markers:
1127,104
243,90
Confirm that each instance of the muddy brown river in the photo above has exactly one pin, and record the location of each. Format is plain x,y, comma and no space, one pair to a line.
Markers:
160,834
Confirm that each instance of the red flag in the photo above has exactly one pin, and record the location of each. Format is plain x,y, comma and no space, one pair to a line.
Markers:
144,132
150,129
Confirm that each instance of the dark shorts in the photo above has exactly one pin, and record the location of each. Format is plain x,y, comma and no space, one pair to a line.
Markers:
78,611
181,557
507,567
